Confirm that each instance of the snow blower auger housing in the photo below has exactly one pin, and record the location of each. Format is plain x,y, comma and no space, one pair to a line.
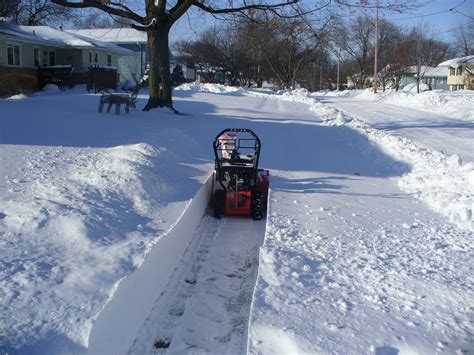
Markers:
240,187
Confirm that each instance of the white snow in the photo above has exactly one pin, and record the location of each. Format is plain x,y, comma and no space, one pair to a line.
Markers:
368,239
51,89
114,35
412,87
457,62
58,38
456,105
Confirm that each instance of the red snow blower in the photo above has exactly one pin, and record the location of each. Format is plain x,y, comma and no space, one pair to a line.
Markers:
240,187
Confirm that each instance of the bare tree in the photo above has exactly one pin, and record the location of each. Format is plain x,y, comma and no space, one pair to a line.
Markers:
285,48
426,51
97,19
399,60
390,40
159,18
464,38
355,43
205,53
33,12
8,7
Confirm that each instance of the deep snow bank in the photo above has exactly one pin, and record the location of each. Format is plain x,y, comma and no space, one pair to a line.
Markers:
454,104
71,218
83,198
441,180
132,302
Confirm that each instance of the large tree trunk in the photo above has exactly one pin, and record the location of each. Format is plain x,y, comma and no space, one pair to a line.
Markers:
159,75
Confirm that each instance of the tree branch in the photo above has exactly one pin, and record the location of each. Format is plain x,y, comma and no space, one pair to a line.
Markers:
123,11
230,10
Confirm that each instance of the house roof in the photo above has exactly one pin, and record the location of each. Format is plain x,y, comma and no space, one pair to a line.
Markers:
57,38
456,62
437,72
113,35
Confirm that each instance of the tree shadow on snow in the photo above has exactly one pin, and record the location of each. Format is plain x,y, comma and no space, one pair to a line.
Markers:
291,144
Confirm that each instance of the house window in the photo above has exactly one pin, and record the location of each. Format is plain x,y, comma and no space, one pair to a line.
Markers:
109,60
36,57
13,54
459,71
52,58
90,57
96,57
452,71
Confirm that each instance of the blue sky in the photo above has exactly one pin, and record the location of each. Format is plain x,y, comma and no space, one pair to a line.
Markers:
436,13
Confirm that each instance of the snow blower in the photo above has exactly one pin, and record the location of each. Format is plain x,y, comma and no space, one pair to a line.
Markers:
240,187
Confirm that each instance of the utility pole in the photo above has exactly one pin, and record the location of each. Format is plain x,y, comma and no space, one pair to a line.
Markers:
376,43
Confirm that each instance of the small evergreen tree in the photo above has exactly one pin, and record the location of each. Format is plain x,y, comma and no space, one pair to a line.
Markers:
177,77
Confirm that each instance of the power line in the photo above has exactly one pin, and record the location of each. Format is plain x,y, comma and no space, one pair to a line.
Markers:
428,15
461,13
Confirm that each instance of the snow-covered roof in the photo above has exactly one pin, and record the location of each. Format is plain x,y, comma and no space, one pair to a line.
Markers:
414,69
57,38
437,72
113,35
456,62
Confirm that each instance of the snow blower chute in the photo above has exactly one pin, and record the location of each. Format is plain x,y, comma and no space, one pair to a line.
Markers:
240,187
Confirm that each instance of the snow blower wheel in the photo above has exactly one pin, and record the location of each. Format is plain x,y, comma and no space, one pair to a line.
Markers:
219,203
257,206
240,187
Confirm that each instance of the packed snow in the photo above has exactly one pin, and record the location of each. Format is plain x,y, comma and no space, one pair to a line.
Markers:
108,247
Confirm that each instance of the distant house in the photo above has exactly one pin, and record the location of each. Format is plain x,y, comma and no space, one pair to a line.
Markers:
131,67
27,51
134,67
187,66
461,73
435,78
354,82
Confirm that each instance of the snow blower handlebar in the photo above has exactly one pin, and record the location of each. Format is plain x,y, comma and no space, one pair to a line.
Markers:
228,142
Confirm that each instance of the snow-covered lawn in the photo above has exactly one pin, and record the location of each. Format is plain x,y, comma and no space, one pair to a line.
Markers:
453,104
416,117
355,258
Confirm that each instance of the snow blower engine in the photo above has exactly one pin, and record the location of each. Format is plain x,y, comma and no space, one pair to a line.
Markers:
240,187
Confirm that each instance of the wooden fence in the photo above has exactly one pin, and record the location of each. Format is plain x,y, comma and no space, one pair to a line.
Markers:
96,78
58,75
101,78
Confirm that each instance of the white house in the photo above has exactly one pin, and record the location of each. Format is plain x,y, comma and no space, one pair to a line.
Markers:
131,67
25,49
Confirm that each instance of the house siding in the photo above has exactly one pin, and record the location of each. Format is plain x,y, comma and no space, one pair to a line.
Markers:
132,67
406,80
101,59
436,82
466,78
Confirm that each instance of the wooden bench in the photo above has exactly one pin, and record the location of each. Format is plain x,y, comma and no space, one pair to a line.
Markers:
118,99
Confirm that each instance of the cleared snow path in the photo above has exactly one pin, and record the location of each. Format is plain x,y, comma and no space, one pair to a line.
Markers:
429,129
206,304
